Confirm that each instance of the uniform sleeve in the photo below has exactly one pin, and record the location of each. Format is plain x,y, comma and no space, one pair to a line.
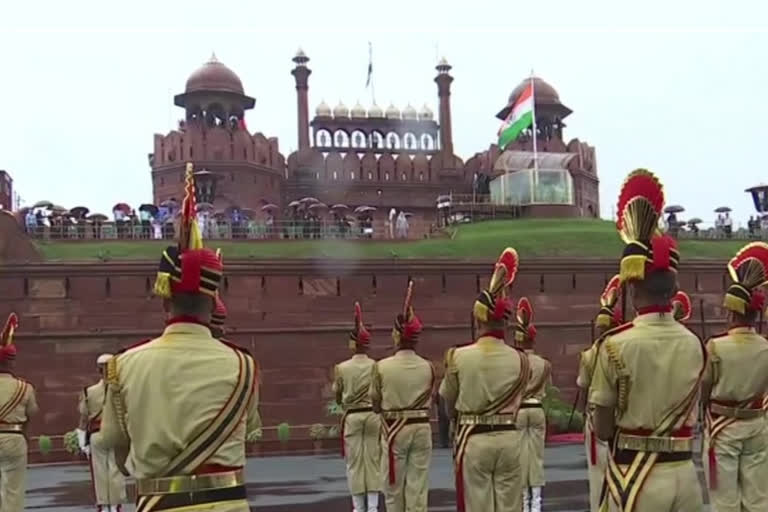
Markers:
82,408
253,427
112,431
338,384
604,387
375,390
449,388
31,408
584,376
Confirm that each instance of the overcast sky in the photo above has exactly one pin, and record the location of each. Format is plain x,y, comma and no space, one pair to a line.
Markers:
675,86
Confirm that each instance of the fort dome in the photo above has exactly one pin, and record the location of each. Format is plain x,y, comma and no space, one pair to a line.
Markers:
214,76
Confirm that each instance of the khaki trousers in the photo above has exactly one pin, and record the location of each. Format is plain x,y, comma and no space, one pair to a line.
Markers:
597,471
108,482
741,451
412,449
492,472
670,487
13,472
532,425
362,448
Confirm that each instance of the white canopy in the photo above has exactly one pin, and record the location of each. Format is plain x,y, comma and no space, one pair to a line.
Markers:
510,161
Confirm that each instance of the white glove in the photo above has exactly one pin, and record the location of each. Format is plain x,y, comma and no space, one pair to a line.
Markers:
81,438
87,451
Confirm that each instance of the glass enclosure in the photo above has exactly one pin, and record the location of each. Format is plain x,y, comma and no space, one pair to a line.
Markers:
528,186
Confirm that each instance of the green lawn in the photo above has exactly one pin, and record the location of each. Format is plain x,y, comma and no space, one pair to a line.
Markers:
483,241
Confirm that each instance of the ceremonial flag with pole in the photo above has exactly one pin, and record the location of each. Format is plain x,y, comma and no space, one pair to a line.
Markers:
520,117
370,64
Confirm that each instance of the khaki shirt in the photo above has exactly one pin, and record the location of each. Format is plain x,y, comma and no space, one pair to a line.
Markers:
172,388
587,360
541,376
399,382
91,403
352,381
738,365
656,362
479,374
25,405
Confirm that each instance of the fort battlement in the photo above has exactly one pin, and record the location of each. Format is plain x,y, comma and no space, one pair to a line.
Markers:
295,317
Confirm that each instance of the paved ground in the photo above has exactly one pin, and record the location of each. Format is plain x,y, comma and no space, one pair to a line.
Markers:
317,484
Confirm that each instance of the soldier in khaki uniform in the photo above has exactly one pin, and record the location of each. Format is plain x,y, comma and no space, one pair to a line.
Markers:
484,385
735,387
401,389
179,407
108,482
608,318
17,405
531,420
648,375
360,426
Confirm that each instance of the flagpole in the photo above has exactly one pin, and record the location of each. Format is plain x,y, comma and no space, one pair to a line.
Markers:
370,72
535,151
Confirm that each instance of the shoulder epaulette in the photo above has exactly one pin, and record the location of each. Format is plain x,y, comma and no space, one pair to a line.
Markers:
129,347
235,347
716,337
616,330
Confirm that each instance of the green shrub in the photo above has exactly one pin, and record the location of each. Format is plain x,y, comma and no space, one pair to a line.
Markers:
559,413
44,444
332,408
317,431
333,432
254,435
284,432
71,443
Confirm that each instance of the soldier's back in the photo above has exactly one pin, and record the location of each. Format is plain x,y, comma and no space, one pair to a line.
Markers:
355,373
662,361
404,378
486,370
173,387
741,357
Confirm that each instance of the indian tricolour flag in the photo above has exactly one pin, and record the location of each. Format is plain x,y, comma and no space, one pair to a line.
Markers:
520,118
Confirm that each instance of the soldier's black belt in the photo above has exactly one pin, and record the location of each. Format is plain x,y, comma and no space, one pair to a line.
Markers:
628,456
484,429
359,409
408,421
531,406
189,499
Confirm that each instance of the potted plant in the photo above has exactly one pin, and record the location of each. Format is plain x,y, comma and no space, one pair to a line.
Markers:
332,408
317,433
252,441
561,418
283,433
71,443
44,445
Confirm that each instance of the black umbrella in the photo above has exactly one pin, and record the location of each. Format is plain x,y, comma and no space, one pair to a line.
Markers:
674,208
79,212
149,208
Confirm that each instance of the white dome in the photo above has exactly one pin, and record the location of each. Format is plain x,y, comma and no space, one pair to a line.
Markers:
426,113
358,111
323,110
340,110
409,113
392,112
375,111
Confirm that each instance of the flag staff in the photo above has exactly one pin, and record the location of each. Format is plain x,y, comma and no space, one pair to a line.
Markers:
369,82
535,181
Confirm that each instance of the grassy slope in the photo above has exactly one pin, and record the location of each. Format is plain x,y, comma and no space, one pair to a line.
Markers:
539,237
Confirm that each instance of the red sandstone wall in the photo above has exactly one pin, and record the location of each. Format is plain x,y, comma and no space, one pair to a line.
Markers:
294,317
